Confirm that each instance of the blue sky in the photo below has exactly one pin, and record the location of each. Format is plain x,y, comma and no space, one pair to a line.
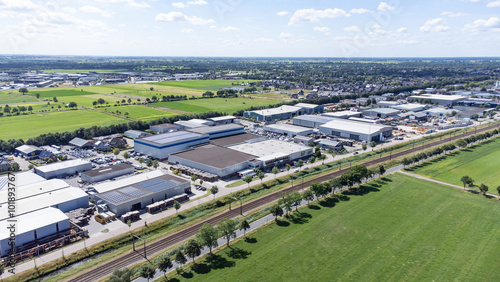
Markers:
244,28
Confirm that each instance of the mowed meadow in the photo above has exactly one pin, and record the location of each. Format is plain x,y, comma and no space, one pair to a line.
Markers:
397,228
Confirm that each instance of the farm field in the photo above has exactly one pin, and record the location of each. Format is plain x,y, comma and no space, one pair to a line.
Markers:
212,85
27,126
139,112
227,105
402,229
481,162
15,97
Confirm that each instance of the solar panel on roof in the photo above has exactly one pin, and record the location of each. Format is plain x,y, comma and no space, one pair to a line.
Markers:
115,197
132,191
171,137
150,183
175,182
159,187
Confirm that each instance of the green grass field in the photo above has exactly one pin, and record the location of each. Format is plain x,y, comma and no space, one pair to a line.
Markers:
229,105
9,97
59,92
405,229
205,84
481,162
139,112
27,126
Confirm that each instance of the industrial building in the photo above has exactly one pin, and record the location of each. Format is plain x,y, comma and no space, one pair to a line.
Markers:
287,129
381,112
165,127
343,114
274,152
134,134
23,178
280,113
411,107
329,144
80,143
105,173
219,131
439,112
311,108
162,145
135,193
222,120
63,169
220,161
303,140
28,151
193,123
237,139
311,121
442,100
34,226
355,130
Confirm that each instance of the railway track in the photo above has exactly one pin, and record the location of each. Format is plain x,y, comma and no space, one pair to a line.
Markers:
180,236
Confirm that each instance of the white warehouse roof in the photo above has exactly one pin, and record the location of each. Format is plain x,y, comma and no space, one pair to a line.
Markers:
269,147
355,126
61,165
277,111
108,186
31,190
281,127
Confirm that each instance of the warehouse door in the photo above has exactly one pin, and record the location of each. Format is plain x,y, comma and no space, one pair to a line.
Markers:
136,207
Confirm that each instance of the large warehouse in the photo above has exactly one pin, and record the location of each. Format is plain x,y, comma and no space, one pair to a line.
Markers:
280,113
311,121
237,139
63,169
106,173
287,129
28,151
220,130
162,145
135,193
381,112
355,130
274,152
343,114
217,160
442,100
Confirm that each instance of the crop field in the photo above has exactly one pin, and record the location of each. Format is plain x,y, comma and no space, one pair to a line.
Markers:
59,92
27,126
9,97
481,162
398,229
212,85
138,112
229,105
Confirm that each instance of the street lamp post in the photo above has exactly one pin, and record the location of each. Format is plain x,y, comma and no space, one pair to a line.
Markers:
241,204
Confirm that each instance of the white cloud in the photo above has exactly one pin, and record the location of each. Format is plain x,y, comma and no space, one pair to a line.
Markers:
18,5
131,3
313,15
435,25
94,10
492,23
180,17
213,27
263,39
452,14
179,5
197,2
359,11
229,28
323,29
187,30
383,6
493,4
402,30
352,28
282,13
285,35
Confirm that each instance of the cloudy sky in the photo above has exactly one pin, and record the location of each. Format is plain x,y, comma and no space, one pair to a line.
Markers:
245,28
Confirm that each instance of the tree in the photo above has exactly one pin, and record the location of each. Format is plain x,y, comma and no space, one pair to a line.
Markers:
121,275
30,108
244,225
126,155
465,180
149,162
193,249
116,151
261,176
461,143
30,166
277,211
406,161
54,99
101,101
323,157
287,202
373,144
308,196
147,272
156,163
207,236
483,188
248,179
288,167
214,190
177,206
23,90
15,167
227,228
318,189
296,198
2,269
180,258
364,146
312,159
72,105
275,171
194,178
37,95
498,190
6,109
164,263
140,160
300,163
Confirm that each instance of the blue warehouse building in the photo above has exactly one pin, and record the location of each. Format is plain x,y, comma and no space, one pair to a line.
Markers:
219,131
162,145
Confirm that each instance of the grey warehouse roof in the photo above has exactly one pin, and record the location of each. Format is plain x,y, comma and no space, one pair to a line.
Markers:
314,118
106,170
61,165
355,126
215,156
215,129
171,137
27,149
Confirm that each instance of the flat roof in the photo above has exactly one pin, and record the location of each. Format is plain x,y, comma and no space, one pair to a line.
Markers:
342,114
314,118
269,147
287,127
170,137
234,139
410,107
22,178
108,186
61,165
106,170
33,220
307,106
187,123
355,126
165,125
439,97
277,111
217,129
221,118
141,189
215,156
26,191
27,149
383,110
